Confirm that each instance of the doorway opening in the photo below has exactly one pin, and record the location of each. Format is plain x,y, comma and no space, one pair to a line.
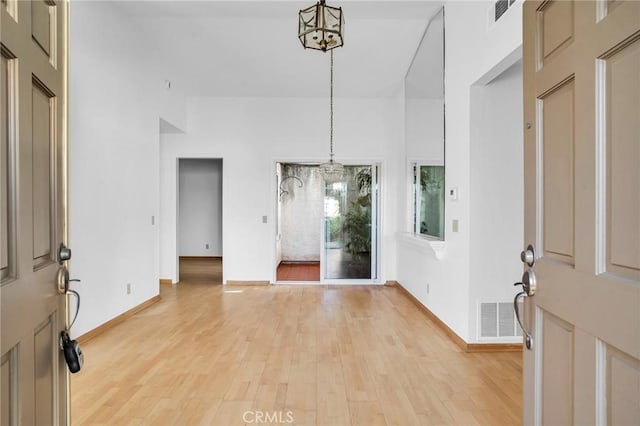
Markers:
326,232
497,200
200,220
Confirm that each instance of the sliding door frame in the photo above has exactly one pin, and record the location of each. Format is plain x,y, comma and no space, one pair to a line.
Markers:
376,215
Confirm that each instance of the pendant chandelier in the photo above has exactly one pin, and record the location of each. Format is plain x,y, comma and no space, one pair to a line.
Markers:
321,27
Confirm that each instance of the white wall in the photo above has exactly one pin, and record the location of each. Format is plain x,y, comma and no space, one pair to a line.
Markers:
425,130
250,135
472,51
115,100
497,191
200,207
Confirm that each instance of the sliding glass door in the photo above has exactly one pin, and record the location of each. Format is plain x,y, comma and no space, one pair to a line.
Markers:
350,231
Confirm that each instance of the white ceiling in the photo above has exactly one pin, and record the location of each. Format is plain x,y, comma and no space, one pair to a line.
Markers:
251,49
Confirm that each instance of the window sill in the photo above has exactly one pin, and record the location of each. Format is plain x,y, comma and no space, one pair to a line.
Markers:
424,244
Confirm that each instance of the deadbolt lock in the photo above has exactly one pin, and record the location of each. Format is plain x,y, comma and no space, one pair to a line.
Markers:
64,253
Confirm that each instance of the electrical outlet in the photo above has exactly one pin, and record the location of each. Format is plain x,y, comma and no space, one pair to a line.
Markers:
128,288
206,246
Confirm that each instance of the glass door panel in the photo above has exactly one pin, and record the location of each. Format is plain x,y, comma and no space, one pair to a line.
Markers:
349,237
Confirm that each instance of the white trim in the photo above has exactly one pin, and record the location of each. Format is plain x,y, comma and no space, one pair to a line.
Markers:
536,334
601,169
176,279
600,402
539,243
417,200
274,200
602,10
409,223
423,244
375,221
323,237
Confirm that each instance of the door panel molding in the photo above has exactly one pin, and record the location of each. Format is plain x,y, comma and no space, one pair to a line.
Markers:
8,100
10,386
44,28
45,360
11,7
557,197
557,345
555,29
601,382
622,104
44,157
623,376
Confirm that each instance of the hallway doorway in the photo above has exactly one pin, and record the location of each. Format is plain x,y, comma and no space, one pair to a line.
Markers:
200,219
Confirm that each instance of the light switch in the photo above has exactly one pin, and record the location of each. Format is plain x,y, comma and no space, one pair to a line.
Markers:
453,194
264,219
454,225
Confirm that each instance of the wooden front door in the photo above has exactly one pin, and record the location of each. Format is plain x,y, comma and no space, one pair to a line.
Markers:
34,379
582,211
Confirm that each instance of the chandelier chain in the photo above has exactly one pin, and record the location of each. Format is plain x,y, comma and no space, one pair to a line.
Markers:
331,108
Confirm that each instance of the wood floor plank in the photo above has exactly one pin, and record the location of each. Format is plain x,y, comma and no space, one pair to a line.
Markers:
325,355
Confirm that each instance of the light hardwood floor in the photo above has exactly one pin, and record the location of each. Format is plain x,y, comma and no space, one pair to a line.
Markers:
317,355
205,270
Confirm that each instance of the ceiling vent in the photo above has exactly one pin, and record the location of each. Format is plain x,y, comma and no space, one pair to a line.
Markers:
497,10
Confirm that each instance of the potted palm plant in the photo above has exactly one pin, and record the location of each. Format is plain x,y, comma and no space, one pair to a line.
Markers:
357,221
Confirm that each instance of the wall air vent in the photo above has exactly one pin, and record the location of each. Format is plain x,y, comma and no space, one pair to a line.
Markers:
497,10
497,320
500,7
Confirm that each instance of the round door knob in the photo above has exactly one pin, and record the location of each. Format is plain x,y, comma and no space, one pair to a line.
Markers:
528,256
